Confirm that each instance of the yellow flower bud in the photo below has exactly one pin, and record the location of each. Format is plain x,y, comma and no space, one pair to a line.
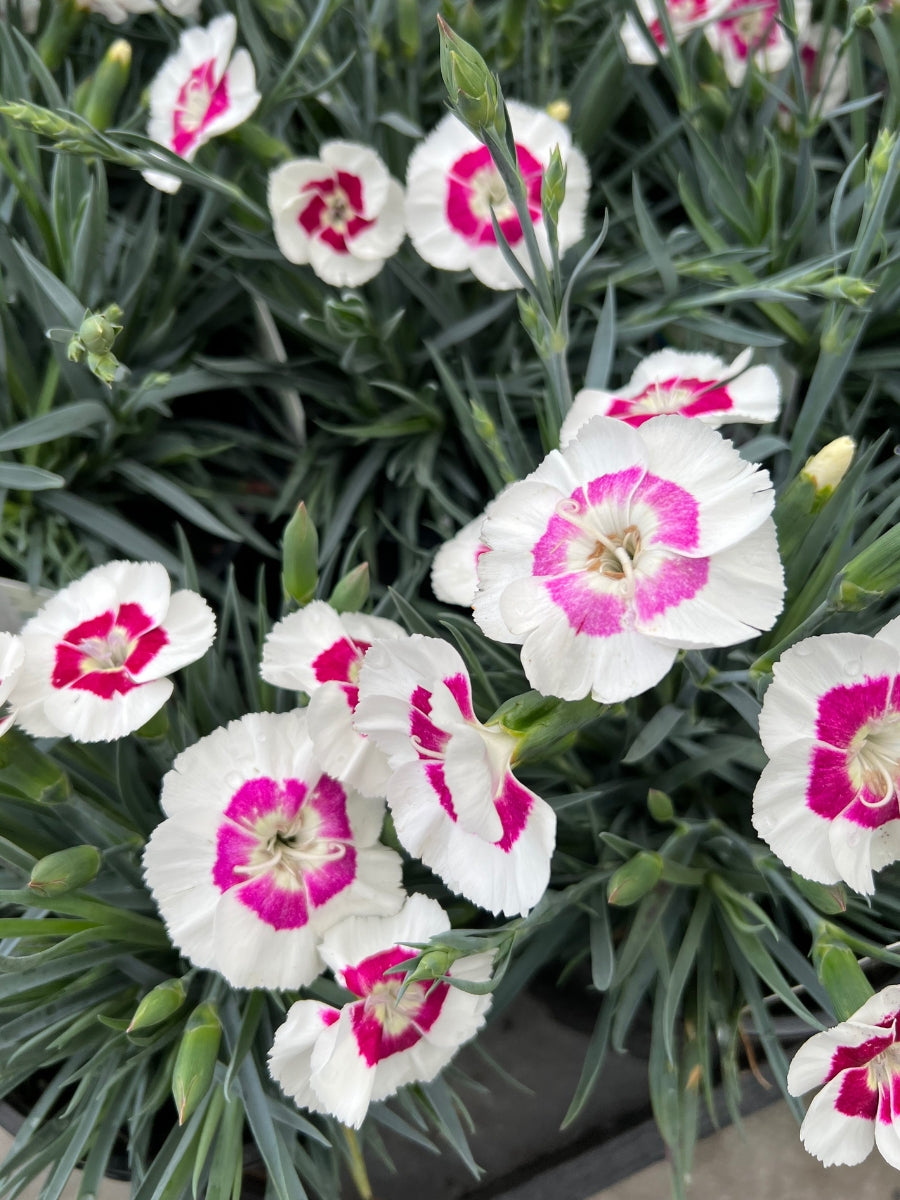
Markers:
826,469
559,110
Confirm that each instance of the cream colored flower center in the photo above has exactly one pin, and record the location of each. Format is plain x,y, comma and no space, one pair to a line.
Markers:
489,192
108,653
337,210
874,759
195,106
289,848
664,400
393,1012
615,553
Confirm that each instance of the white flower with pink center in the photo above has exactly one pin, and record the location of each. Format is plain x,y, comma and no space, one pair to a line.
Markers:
452,186
261,852
200,92
684,17
624,547
857,1066
694,385
319,651
342,213
455,802
827,803
12,658
341,1060
751,32
98,654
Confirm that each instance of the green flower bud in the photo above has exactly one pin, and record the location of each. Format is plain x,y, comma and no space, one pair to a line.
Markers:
871,575
542,723
104,366
108,85
285,18
65,871
66,18
864,16
98,331
351,592
74,350
830,899
158,1005
531,317
845,287
880,157
634,879
300,552
433,964
553,187
660,805
474,92
840,974
195,1062
408,30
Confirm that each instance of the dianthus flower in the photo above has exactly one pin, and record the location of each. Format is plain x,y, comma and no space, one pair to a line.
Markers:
453,571
261,852
624,547
684,17
452,186
695,385
98,653
857,1065
827,803
341,1060
200,92
341,212
454,799
751,32
319,651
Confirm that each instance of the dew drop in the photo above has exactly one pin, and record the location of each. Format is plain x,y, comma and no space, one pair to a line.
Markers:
233,779
853,667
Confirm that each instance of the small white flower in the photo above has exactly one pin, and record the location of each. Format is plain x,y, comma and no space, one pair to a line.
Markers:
342,213
452,186
261,852
455,801
200,92
750,32
857,1065
624,547
684,17
98,654
319,651
341,1060
695,385
827,803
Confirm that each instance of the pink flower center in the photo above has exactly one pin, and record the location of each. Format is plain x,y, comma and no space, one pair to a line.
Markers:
286,849
474,188
334,211
383,1021
102,655
200,100
755,28
687,396
855,771
615,551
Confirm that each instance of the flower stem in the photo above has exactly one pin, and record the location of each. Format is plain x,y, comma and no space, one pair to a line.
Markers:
357,1164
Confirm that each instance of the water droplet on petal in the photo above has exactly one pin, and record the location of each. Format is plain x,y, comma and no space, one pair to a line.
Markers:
853,667
233,779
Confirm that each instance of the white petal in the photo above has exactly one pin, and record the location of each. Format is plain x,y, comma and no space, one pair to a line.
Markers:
363,162
588,403
831,1136
453,575
344,754
358,938
296,641
290,1059
381,240
781,817
190,627
86,717
341,269
341,1080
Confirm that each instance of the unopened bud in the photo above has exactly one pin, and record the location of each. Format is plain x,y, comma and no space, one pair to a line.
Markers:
351,592
300,553
829,899
864,16
841,976
74,350
474,92
195,1062
433,964
845,287
553,187
880,157
660,805
531,317
826,469
158,1005
871,575
540,723
104,366
559,110
634,879
108,84
65,871
98,331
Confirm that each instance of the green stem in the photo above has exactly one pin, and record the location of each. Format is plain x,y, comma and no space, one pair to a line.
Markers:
358,1170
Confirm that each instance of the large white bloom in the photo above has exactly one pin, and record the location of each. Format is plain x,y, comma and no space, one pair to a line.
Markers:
455,801
624,547
319,651
751,32
98,653
827,803
340,1060
261,852
200,92
684,17
341,212
857,1065
695,385
452,185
